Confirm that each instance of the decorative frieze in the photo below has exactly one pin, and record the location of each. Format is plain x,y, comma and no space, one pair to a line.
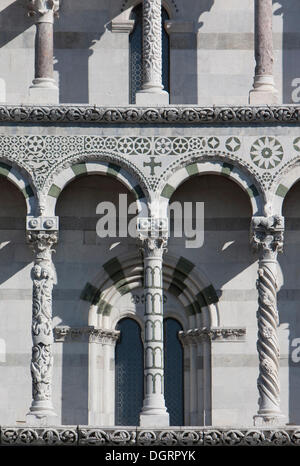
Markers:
221,334
90,334
191,115
267,241
175,436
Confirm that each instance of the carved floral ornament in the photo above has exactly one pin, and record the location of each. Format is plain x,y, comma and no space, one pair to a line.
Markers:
88,334
193,336
267,235
133,115
77,435
41,7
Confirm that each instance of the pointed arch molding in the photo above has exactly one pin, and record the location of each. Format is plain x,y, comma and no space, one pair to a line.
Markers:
181,278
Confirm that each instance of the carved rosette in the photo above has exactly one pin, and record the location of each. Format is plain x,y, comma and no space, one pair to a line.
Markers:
152,47
43,244
267,236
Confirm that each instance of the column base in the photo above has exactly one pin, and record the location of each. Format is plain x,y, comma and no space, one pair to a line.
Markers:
155,420
265,420
264,91
41,413
146,98
43,91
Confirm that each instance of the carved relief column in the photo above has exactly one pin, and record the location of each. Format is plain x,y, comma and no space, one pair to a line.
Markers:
43,243
152,92
264,91
267,240
154,242
43,88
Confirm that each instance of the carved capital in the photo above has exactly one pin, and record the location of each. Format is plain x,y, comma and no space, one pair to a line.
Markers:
267,236
43,10
42,243
153,234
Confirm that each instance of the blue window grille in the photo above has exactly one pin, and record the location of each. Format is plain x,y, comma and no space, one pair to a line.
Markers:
129,372
173,361
136,50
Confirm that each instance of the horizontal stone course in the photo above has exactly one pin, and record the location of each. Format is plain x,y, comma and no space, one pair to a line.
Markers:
136,436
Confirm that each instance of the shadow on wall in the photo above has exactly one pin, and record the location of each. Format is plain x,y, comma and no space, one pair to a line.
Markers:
72,50
184,58
290,12
288,299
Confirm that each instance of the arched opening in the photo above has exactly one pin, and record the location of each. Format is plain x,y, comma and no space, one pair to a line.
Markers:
288,303
79,254
173,367
136,52
129,373
15,305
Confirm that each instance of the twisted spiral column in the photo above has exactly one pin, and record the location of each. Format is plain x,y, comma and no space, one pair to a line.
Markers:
152,92
41,410
268,241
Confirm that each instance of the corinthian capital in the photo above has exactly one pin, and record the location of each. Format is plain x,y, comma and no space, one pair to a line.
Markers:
43,7
267,235
153,234
42,243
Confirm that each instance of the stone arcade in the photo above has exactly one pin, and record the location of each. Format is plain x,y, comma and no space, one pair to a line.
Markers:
154,100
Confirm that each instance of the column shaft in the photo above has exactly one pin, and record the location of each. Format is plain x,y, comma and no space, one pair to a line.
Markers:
263,91
152,92
41,411
43,88
268,241
154,411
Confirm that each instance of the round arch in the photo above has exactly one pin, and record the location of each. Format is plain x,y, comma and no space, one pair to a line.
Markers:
283,186
17,177
244,180
62,179
168,5
120,275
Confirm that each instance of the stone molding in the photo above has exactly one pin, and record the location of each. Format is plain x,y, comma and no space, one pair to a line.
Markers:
218,334
89,334
42,223
122,26
175,436
189,115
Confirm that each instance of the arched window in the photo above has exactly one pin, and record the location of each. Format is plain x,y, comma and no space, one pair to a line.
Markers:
173,362
136,50
129,367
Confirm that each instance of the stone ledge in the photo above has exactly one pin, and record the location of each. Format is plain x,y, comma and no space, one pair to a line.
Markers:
136,436
178,114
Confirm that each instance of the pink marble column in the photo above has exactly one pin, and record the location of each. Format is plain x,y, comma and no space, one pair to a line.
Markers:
43,88
264,91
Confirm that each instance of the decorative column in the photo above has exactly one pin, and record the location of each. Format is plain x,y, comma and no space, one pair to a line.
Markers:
152,92
43,243
264,91
43,88
153,235
267,240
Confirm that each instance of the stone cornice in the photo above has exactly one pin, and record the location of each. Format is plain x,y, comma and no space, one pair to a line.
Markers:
172,115
137,436
192,336
85,334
